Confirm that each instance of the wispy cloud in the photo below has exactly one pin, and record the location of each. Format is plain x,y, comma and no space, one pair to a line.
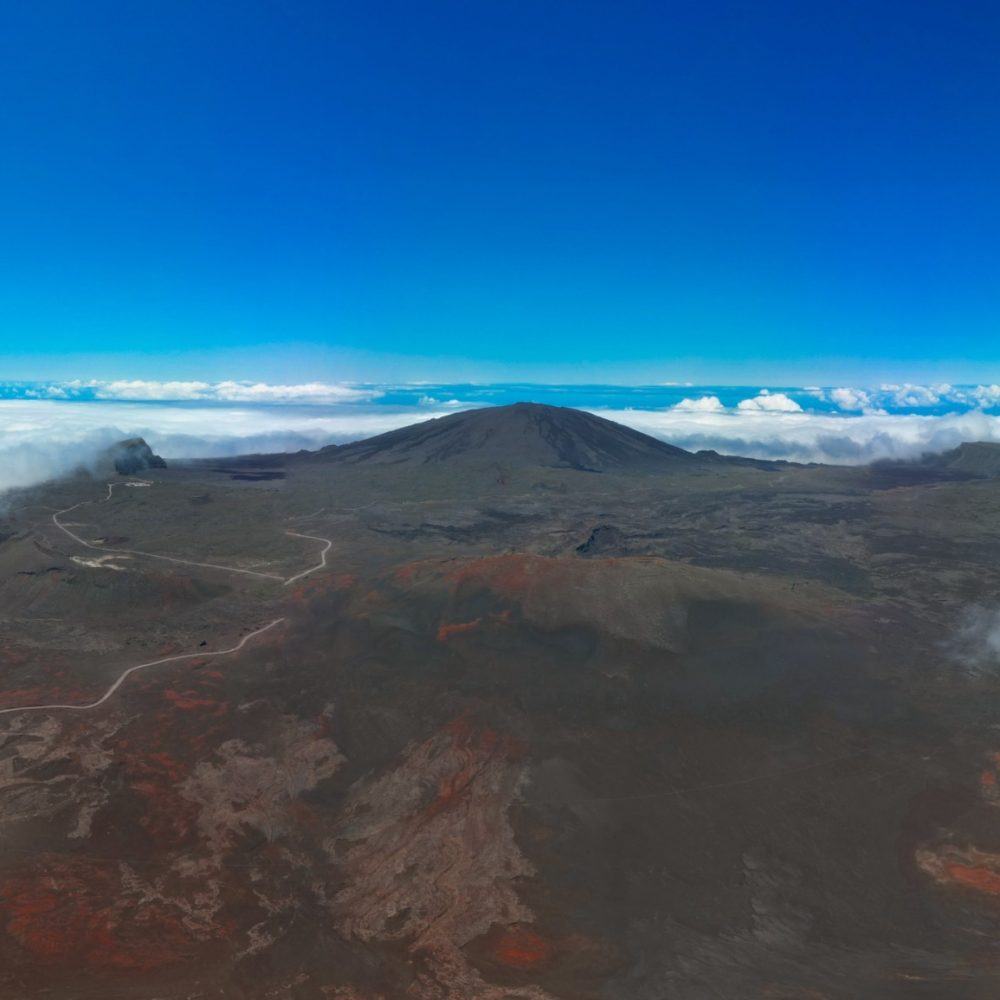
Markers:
29,456
975,645
431,401
40,439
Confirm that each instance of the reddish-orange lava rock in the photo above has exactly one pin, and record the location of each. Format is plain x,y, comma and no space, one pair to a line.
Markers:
522,948
187,700
980,879
459,628
475,745
968,868
79,913
465,735
988,784
511,574
405,573
168,819
162,764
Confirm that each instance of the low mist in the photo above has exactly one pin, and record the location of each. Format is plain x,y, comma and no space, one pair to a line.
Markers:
975,645
43,439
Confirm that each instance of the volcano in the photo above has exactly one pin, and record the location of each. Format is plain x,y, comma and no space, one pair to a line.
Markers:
519,435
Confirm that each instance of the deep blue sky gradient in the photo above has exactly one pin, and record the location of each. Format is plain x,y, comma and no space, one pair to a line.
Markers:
711,191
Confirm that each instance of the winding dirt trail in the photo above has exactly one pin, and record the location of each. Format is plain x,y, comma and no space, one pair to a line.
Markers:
327,543
146,555
322,556
203,655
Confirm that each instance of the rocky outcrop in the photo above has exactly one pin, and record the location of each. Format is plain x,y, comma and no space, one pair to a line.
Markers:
976,458
426,856
604,540
134,455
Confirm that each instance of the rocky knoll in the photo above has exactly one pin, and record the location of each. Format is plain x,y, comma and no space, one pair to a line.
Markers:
134,455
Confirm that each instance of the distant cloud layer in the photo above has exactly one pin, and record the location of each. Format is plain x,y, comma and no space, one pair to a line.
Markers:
801,436
49,428
915,397
852,399
139,390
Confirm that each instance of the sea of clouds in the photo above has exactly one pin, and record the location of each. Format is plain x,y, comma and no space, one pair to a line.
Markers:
773,425
50,428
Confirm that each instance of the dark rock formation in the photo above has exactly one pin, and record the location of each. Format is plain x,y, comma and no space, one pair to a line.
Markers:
976,458
604,540
970,460
134,455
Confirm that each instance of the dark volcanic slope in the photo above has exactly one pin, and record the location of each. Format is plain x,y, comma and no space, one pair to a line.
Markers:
976,458
525,434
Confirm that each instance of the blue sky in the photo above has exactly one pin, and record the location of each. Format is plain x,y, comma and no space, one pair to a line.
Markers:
770,193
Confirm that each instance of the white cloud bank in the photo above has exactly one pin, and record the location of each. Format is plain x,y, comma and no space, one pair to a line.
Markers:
852,399
909,396
703,404
66,424
803,436
40,439
774,402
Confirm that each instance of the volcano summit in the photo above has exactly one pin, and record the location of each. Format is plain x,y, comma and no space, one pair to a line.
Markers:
524,435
